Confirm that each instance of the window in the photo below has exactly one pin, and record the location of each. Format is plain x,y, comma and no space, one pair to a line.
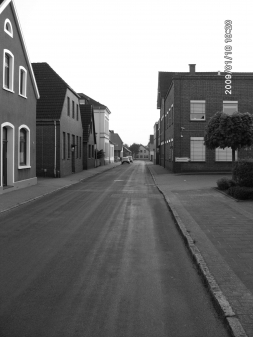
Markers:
82,101
77,112
68,111
144,151
73,109
22,81
80,148
64,145
92,151
8,70
198,110
224,154
22,143
229,107
77,147
198,149
68,145
24,147
8,27
89,156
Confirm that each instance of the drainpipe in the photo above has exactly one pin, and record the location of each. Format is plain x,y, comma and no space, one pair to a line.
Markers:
55,149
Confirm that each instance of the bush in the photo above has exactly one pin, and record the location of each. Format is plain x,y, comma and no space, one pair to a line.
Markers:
240,192
243,172
223,184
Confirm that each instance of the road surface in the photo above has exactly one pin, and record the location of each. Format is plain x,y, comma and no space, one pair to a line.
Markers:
100,258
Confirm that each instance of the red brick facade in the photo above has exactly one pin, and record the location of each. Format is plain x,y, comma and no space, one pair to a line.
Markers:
176,127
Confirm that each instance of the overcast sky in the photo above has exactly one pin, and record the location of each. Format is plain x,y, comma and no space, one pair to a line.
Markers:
112,50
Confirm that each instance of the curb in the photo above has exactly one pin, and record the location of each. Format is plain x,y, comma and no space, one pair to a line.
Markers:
219,298
58,189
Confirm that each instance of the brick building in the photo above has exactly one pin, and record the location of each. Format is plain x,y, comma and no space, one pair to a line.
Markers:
58,124
186,102
18,98
89,136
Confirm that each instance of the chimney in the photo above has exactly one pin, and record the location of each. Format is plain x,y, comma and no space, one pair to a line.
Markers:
192,68
218,72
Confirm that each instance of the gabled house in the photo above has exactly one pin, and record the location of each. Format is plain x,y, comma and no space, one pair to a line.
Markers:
187,100
18,98
143,153
126,152
118,144
101,116
59,125
89,136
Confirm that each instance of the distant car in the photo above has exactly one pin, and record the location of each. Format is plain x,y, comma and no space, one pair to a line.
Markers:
131,159
125,160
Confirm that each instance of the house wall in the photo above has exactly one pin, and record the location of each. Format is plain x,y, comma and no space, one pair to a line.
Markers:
46,142
15,109
143,153
211,89
101,118
89,163
73,127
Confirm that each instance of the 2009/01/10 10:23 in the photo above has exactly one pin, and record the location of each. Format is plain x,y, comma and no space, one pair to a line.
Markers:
228,57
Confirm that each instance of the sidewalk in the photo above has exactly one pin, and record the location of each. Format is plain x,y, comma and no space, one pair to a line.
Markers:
219,234
46,186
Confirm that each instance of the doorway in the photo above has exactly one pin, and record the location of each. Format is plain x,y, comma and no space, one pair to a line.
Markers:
5,141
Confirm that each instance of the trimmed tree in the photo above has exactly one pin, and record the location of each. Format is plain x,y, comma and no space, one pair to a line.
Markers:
233,131
134,148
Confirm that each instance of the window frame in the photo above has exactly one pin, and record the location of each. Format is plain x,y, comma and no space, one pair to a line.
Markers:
63,145
24,80
73,109
229,102
69,150
77,112
11,71
227,154
27,149
68,106
192,159
196,113
10,33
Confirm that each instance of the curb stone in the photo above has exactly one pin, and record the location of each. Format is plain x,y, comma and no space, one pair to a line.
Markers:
225,308
58,189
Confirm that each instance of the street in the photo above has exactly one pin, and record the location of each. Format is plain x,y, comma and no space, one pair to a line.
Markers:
101,258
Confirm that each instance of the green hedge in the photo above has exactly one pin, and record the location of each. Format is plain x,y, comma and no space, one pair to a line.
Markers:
241,192
243,172
225,183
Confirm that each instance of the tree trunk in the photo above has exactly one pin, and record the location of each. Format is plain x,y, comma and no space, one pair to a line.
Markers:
233,155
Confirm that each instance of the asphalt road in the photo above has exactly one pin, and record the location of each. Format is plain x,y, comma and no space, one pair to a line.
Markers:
100,258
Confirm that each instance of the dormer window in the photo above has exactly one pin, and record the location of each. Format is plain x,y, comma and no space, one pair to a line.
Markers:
82,101
8,27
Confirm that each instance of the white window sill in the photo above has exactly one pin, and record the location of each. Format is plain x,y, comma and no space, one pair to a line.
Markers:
23,96
8,90
197,120
21,167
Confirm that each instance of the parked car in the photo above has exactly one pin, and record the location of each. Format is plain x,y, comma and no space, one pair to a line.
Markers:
131,159
125,160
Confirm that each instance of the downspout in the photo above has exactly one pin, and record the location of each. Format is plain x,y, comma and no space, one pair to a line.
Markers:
55,149
164,133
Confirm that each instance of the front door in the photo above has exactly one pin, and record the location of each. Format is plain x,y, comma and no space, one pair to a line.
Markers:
4,156
73,154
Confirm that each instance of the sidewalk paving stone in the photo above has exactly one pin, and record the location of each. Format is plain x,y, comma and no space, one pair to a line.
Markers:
222,231
47,185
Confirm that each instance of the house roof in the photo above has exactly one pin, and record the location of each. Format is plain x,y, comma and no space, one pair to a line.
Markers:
145,147
165,79
87,116
3,5
115,138
52,90
96,105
